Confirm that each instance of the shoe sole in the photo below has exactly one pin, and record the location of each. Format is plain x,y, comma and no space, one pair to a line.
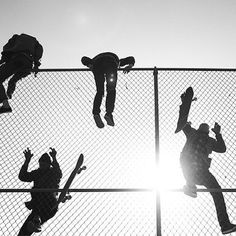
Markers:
229,231
2,112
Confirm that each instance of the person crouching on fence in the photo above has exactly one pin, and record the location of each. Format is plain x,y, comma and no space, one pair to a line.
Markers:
42,204
195,165
104,67
20,55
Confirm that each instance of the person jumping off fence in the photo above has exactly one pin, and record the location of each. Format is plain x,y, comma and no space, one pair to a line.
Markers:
104,67
195,165
42,204
20,56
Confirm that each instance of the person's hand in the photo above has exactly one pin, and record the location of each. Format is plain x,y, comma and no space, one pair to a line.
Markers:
90,66
216,128
126,70
53,152
28,155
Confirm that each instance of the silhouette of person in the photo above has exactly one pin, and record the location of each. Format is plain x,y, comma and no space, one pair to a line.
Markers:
104,67
21,53
195,164
43,204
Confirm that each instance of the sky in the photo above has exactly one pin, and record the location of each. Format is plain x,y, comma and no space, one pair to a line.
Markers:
167,33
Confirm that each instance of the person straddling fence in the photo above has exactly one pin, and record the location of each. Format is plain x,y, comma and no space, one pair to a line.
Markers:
195,164
20,56
104,67
42,204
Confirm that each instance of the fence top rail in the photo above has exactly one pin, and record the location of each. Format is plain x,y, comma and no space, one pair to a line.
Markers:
9,190
140,69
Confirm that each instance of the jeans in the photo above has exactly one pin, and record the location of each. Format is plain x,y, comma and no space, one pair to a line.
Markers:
202,176
108,74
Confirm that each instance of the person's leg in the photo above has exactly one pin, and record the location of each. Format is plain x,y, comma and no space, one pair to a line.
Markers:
99,80
47,213
210,182
6,70
190,188
19,67
15,78
24,229
111,80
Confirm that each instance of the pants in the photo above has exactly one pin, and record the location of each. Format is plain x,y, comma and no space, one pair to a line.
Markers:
44,213
18,66
204,177
109,74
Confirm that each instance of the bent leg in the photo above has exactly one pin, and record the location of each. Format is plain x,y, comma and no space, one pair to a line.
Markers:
24,231
210,182
6,70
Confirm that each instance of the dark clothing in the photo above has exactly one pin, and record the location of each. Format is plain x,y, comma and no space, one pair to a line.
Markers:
18,57
42,204
104,67
19,67
195,164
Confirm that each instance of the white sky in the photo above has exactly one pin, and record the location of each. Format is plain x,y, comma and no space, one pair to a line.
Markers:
168,33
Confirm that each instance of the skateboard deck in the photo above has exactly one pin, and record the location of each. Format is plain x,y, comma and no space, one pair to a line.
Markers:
77,170
186,98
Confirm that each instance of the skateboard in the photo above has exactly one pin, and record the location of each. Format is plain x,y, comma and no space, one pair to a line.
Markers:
65,195
186,98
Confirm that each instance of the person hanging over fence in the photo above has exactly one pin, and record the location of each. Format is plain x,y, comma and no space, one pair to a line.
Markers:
42,204
20,56
104,67
195,164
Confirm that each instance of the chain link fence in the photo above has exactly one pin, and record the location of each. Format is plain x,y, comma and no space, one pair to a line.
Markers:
55,110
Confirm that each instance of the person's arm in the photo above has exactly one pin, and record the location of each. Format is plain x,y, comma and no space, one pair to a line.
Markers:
219,144
187,128
38,54
55,163
24,175
86,61
129,61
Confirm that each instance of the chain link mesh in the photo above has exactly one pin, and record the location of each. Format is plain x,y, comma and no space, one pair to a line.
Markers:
215,92
55,110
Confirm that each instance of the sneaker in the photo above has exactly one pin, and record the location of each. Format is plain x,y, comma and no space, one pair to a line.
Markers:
98,121
228,228
190,191
5,110
109,119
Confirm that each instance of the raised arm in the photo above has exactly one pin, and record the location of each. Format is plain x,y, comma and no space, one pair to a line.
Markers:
24,175
219,144
55,163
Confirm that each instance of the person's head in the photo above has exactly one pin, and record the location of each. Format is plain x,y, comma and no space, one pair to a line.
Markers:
204,128
45,161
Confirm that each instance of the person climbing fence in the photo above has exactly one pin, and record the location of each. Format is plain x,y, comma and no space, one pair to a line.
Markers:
20,56
42,204
104,67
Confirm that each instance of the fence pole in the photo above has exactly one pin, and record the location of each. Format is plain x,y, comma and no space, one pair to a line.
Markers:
158,205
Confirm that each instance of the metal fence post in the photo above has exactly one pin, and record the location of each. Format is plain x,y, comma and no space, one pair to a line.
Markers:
158,205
